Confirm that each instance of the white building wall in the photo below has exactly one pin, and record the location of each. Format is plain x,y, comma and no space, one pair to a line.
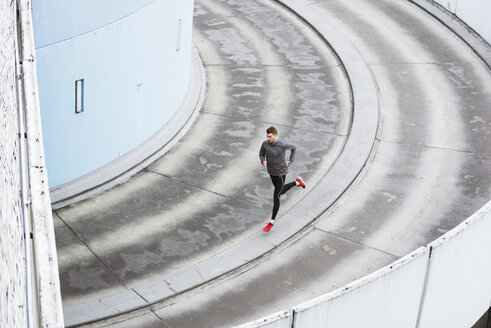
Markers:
134,76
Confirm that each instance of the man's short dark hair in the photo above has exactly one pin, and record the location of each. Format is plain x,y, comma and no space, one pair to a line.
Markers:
272,130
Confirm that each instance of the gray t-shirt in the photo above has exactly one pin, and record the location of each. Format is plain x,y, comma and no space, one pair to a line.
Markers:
274,153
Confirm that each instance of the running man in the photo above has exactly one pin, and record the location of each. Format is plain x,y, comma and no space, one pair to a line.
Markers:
272,155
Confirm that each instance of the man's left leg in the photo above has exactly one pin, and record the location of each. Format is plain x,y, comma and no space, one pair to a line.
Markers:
280,189
288,186
298,182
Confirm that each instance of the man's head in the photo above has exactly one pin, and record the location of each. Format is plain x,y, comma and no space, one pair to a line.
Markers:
271,134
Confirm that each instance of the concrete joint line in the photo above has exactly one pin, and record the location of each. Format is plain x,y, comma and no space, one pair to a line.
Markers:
170,287
425,288
422,145
358,243
91,251
201,188
300,129
137,293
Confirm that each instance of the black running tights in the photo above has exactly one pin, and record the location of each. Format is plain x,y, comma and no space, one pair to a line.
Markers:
279,189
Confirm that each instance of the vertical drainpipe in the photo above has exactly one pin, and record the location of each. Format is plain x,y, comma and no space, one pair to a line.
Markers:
44,257
31,306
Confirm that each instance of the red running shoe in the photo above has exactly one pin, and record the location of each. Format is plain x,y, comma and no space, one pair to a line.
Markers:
268,227
300,182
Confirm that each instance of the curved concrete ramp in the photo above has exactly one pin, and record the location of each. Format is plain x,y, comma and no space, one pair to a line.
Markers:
131,244
429,168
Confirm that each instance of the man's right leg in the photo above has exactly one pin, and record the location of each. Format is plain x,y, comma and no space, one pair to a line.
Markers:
278,183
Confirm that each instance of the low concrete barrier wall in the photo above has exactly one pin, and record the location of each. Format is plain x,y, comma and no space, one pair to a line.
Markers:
278,320
474,13
389,297
444,284
458,289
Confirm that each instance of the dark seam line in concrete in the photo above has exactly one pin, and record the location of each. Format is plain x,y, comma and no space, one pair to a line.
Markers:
143,298
300,129
200,275
467,151
357,243
93,253
294,66
219,114
155,313
170,287
109,306
428,63
199,187
276,124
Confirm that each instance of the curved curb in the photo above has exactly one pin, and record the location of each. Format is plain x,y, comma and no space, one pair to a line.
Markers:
157,145
364,127
340,176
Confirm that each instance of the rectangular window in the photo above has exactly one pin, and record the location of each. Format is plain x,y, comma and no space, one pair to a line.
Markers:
178,40
79,96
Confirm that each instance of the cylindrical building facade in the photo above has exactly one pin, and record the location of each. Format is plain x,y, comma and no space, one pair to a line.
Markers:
110,73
